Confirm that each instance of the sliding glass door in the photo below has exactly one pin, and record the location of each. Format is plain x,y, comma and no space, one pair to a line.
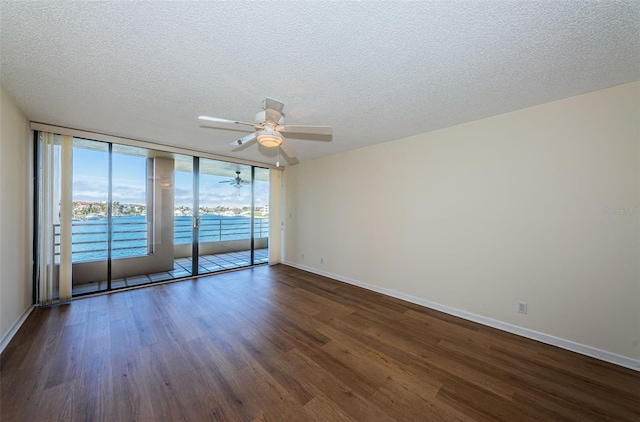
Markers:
225,215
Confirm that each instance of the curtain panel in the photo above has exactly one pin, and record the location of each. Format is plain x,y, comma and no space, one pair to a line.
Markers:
275,216
53,265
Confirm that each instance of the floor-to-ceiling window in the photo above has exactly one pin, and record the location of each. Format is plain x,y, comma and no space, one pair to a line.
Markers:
139,214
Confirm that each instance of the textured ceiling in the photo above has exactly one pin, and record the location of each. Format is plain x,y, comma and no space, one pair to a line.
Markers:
375,71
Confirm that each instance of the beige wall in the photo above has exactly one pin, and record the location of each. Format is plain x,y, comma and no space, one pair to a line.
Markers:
479,216
15,214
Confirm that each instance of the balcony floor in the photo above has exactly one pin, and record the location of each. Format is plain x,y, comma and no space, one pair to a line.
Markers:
181,268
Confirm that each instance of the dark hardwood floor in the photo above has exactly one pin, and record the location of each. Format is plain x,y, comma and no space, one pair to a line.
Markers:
280,344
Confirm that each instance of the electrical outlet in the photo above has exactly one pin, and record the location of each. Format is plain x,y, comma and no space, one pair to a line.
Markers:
302,256
322,260
522,307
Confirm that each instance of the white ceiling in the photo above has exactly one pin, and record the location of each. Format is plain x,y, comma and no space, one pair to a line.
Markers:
375,71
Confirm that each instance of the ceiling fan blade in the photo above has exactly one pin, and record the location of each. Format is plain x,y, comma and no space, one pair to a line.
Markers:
311,130
227,181
270,103
245,140
288,149
234,122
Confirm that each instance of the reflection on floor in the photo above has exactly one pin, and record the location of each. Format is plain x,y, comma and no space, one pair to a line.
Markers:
181,268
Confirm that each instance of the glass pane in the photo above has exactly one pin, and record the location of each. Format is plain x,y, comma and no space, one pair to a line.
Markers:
130,236
225,216
132,212
89,225
261,216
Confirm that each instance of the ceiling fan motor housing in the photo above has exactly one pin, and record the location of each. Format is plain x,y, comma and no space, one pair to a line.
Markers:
261,119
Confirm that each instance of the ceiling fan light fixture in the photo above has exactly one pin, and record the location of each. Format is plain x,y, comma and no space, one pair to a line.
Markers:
269,138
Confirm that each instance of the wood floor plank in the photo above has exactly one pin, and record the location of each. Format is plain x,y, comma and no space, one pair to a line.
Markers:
277,343
483,405
275,363
264,392
131,400
95,386
556,386
380,368
404,405
356,406
321,408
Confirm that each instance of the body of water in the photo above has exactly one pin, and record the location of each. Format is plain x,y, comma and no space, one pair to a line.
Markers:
130,234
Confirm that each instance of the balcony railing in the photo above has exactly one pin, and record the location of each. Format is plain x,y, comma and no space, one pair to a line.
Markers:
215,229
89,240
129,238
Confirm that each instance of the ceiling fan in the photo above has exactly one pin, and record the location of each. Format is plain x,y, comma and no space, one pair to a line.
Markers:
269,127
236,182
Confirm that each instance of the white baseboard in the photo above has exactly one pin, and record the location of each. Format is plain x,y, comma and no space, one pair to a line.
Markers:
15,327
510,328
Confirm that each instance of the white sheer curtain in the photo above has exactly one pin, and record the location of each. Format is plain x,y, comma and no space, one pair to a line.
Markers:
275,216
54,218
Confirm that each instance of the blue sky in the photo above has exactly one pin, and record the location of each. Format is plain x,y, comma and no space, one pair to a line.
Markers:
129,180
